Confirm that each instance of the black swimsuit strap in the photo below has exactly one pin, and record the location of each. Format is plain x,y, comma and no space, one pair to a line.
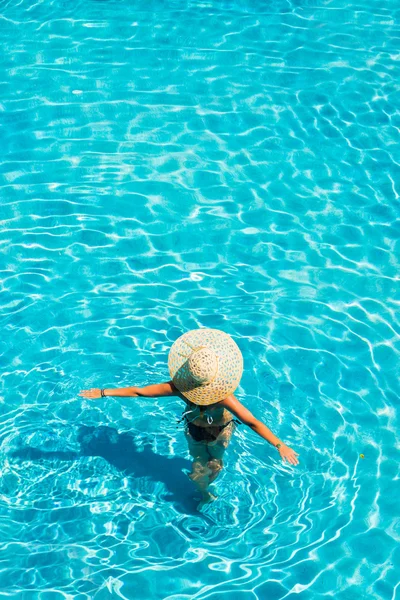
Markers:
221,427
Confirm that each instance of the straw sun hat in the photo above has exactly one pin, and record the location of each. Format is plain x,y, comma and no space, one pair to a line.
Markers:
205,365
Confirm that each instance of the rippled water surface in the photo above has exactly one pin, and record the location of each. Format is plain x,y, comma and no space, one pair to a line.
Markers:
172,165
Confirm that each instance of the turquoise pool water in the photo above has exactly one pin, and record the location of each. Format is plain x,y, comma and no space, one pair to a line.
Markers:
166,166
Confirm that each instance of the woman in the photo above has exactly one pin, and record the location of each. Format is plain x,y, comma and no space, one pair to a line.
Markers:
205,366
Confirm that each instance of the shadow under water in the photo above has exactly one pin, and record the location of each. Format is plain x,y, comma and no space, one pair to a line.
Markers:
121,451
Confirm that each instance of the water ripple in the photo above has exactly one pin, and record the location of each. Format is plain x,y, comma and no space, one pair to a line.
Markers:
181,166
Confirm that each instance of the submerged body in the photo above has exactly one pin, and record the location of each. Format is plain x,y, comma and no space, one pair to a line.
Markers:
208,432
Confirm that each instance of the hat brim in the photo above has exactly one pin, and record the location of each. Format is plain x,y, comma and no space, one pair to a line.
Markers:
230,365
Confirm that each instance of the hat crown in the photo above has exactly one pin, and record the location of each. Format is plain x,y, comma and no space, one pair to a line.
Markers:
203,365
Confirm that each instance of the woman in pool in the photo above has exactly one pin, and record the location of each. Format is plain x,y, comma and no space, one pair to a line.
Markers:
205,366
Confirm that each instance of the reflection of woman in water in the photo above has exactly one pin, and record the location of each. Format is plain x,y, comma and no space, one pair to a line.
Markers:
205,366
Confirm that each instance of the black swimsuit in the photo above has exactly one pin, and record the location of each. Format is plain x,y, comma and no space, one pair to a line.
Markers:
203,434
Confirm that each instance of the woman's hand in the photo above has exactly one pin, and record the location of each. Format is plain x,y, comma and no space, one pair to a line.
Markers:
92,393
288,454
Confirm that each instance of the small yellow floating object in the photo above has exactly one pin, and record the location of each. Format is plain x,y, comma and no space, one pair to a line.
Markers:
362,456
77,92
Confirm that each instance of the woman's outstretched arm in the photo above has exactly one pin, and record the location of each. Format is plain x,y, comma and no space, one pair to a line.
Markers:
149,391
244,415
